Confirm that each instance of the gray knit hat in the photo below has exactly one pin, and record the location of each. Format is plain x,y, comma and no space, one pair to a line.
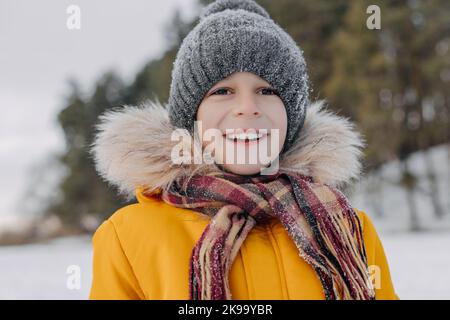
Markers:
237,35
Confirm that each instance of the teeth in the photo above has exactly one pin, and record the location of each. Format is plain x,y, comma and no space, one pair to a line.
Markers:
245,136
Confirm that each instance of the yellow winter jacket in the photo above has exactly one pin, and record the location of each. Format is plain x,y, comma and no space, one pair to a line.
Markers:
142,251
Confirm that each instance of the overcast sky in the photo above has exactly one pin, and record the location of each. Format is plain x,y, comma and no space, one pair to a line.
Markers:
38,53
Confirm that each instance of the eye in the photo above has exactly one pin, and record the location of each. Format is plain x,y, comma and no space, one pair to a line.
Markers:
221,91
269,91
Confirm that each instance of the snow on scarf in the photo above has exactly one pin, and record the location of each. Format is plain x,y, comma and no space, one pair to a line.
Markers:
318,217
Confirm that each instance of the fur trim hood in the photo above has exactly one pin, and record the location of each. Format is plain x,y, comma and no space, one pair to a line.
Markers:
132,148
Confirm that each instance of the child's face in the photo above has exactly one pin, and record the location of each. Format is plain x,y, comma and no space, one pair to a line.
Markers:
245,103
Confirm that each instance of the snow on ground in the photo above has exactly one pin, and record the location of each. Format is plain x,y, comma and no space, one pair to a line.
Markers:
40,271
419,265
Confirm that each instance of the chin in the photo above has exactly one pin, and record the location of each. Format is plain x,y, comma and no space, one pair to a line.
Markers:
243,169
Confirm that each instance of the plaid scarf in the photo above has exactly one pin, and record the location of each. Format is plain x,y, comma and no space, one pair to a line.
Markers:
319,219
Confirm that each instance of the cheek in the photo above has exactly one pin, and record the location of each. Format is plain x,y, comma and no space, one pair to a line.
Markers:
209,116
203,118
278,117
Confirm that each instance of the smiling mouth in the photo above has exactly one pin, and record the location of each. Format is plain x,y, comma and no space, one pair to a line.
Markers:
246,137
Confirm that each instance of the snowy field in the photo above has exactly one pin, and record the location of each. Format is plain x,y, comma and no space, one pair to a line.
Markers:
419,265
40,271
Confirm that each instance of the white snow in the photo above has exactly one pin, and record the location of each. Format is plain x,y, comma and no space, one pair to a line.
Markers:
419,264
39,271
420,261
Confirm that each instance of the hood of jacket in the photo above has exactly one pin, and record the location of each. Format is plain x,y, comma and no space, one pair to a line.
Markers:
132,148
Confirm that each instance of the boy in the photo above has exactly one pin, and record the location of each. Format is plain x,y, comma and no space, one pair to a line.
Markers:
227,229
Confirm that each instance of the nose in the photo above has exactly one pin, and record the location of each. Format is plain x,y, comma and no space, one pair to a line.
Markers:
246,106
